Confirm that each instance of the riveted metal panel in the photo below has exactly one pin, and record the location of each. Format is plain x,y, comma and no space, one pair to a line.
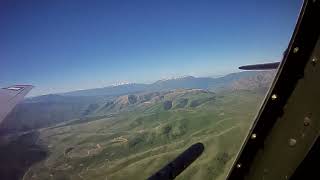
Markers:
286,126
295,131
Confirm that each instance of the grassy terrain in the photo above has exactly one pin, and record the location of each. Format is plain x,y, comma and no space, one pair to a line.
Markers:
141,137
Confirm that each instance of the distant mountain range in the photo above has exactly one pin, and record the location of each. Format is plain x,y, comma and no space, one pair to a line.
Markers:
188,82
47,110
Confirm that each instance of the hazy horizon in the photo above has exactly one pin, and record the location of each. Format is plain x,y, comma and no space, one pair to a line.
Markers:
31,95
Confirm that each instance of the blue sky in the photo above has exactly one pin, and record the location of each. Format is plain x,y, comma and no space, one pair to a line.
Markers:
63,45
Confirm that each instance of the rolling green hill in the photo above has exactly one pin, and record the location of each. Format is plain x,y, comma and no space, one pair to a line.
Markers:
48,110
142,137
131,136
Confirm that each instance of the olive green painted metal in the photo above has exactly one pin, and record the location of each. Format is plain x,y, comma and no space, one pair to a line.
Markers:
295,131
287,124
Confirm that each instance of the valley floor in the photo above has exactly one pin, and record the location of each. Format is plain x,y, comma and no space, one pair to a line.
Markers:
134,144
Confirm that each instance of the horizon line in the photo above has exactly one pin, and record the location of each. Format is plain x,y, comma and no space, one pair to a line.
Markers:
127,83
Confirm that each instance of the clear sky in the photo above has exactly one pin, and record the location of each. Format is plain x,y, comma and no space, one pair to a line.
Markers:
64,45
